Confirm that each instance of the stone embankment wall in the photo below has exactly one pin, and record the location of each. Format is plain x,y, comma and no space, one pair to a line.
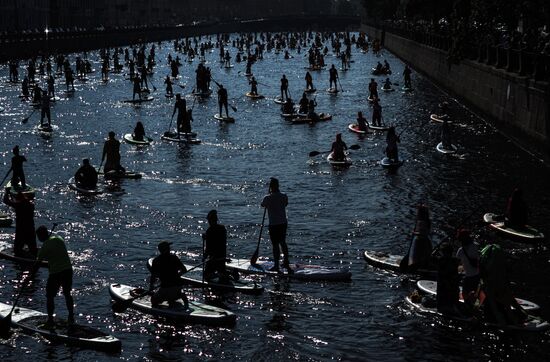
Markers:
511,101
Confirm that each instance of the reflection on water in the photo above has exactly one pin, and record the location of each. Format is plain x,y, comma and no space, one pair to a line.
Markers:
334,215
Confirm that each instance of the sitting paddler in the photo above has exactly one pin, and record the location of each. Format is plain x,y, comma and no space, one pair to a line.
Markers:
24,223
392,139
516,210
387,84
500,306
362,122
378,68
420,250
168,268
448,291
139,132
304,104
215,239
338,148
386,68
60,272
111,152
86,176
311,111
288,106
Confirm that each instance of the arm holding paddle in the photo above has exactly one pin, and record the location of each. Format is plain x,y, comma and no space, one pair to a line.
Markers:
317,153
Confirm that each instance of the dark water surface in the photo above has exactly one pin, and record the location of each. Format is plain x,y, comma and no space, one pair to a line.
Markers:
333,215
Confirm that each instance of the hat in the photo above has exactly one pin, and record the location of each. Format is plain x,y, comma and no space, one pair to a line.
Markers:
164,245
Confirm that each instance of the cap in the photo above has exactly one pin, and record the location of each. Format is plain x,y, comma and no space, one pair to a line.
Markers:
164,245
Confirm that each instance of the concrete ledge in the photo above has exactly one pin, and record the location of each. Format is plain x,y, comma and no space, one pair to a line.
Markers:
510,101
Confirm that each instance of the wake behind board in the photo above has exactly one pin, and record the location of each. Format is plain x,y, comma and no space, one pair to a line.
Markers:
116,175
527,234
430,287
129,137
27,191
304,272
138,101
339,163
34,322
196,312
224,119
448,151
390,163
532,324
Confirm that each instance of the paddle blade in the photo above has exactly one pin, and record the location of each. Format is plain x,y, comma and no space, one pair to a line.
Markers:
5,324
254,257
25,120
234,108
314,153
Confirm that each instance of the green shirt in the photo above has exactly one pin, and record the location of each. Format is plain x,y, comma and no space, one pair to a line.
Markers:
55,252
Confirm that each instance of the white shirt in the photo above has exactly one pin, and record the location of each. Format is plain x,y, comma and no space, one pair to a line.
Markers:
276,207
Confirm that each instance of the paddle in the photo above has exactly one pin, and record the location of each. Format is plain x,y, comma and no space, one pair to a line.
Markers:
254,257
455,229
26,119
5,177
5,323
316,153
342,88
99,168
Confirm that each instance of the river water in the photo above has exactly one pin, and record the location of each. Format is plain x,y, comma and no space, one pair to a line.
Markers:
334,215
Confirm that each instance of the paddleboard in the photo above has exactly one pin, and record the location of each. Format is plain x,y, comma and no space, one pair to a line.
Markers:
379,128
27,191
354,127
203,94
5,221
430,287
182,138
129,137
289,115
340,164
387,89
406,89
44,129
313,90
229,66
2,109
55,99
532,324
89,192
387,163
370,99
322,117
169,95
134,101
196,313
278,100
304,272
83,336
254,96
529,233
440,148
438,119
7,254
224,119
332,90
